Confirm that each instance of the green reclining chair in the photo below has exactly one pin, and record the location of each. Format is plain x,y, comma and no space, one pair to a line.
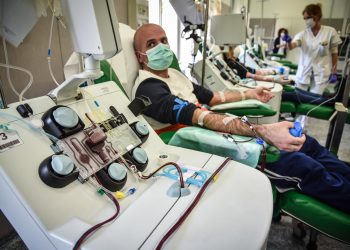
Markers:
317,215
320,112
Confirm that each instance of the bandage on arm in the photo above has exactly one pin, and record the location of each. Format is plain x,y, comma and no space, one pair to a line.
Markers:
201,117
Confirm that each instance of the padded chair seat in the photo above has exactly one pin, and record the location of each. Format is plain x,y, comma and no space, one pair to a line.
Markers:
215,143
316,214
288,107
322,112
281,56
247,107
288,64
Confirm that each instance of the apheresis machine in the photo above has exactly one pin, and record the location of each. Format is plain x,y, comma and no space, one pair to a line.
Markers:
80,169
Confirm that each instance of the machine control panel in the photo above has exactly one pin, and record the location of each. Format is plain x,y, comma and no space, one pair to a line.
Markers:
102,150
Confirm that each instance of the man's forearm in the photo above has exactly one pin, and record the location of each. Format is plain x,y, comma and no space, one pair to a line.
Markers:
226,124
227,96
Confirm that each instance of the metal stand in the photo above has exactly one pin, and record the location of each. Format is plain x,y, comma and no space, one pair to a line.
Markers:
336,127
204,51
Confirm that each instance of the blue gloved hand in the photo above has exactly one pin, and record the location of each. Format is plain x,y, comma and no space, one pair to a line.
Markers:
333,78
287,38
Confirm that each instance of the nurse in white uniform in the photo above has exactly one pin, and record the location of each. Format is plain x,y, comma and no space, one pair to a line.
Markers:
319,51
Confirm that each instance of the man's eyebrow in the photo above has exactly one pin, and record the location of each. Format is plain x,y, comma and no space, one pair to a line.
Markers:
150,40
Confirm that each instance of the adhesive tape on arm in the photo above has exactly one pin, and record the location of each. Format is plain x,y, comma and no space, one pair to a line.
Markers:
201,117
241,91
222,96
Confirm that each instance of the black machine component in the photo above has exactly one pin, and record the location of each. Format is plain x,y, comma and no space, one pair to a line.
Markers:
138,157
61,121
110,180
53,177
141,130
139,105
24,110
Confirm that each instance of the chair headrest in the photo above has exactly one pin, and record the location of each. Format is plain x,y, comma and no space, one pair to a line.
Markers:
125,63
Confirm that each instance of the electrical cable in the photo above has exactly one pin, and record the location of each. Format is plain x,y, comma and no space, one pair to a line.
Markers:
8,66
97,226
192,205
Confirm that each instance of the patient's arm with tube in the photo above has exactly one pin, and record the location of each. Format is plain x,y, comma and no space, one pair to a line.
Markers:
94,31
276,134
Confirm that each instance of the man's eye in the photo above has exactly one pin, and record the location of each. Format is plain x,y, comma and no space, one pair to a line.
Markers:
151,45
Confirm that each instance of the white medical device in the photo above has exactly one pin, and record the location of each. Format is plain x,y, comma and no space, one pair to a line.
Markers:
93,27
49,174
225,30
228,29
14,28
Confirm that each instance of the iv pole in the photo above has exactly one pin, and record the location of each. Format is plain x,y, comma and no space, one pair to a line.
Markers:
204,51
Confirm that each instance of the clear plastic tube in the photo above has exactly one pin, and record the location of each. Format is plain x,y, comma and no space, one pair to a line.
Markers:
8,69
20,95
49,50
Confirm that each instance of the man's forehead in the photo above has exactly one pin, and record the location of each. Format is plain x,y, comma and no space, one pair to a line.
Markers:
153,32
148,32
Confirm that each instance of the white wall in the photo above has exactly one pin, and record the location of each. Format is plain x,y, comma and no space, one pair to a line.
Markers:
288,14
291,9
32,54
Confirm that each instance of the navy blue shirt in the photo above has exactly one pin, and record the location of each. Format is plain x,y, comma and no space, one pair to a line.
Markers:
168,108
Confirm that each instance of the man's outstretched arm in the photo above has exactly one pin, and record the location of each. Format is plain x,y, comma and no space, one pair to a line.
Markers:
276,134
260,93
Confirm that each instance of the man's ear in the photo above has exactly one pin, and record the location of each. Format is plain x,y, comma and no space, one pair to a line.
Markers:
139,57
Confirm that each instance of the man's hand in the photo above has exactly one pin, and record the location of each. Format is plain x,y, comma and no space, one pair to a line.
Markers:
262,94
277,134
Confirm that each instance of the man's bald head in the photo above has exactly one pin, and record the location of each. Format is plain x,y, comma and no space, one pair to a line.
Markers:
147,37
143,33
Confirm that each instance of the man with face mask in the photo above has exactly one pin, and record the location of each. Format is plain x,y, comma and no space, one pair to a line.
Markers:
319,51
304,164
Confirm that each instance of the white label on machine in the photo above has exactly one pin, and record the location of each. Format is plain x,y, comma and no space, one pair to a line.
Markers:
9,139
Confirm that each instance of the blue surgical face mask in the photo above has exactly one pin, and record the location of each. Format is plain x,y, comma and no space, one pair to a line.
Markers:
159,57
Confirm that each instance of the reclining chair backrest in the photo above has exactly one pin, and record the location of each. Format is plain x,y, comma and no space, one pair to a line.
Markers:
125,64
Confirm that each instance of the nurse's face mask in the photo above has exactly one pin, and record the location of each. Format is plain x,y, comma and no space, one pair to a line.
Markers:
310,23
159,57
